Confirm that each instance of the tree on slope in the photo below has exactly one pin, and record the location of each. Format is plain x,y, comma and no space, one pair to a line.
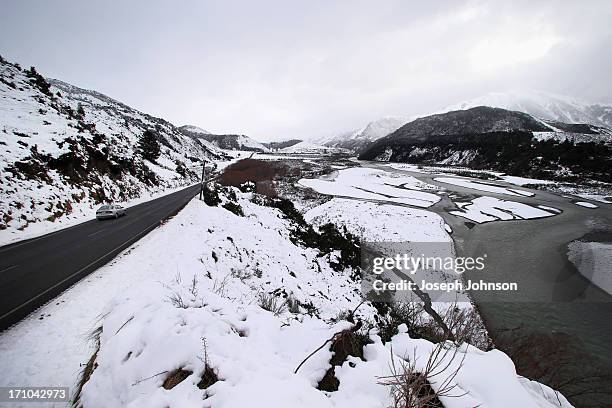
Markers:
148,146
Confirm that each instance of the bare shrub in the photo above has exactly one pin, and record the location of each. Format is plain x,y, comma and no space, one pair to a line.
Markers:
241,274
464,324
392,315
467,327
293,305
251,170
177,299
410,387
266,188
220,287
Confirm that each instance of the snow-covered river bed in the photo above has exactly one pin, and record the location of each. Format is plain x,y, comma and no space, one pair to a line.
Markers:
525,234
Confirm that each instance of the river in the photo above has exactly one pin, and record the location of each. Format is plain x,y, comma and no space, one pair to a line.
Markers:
558,299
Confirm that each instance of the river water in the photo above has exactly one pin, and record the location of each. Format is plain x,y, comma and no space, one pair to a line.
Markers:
556,297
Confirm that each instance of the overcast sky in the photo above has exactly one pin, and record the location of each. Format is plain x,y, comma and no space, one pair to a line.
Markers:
285,69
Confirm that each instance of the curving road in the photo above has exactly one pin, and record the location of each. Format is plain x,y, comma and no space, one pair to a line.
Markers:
34,271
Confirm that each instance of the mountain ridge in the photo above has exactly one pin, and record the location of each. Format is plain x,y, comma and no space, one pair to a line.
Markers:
497,139
543,105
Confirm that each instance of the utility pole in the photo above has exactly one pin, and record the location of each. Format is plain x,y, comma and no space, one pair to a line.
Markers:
202,182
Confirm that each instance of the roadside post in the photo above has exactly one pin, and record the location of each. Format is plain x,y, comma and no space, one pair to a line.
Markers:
202,182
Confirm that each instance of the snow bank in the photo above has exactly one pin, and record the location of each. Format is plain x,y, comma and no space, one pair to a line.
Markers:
483,186
371,184
521,181
376,222
585,204
484,209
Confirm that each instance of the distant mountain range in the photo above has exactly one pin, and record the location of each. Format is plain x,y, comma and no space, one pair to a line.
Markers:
509,141
546,106
356,140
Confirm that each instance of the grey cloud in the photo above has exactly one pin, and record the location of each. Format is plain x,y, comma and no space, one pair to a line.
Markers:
277,69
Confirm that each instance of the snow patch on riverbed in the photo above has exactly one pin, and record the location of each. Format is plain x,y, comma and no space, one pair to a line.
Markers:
483,186
586,204
372,184
485,209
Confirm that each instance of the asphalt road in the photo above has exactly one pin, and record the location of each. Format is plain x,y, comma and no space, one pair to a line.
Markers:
36,270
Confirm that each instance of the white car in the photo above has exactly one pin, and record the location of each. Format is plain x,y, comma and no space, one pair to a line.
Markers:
110,211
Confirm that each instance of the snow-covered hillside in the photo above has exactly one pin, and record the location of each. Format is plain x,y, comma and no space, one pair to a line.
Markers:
64,150
230,319
226,142
545,106
194,129
309,148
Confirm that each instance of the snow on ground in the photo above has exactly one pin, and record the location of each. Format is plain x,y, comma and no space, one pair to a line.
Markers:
551,209
372,184
268,156
376,222
601,193
50,351
307,148
484,209
483,186
586,204
405,166
521,181
593,260
562,136
189,298
602,198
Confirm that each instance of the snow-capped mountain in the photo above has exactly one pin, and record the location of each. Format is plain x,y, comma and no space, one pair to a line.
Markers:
64,150
226,142
356,140
494,138
545,106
